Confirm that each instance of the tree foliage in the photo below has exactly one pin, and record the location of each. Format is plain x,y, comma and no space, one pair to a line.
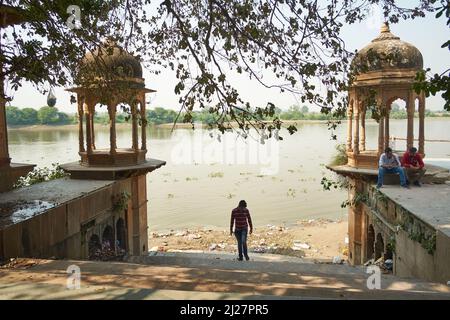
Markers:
431,84
288,45
29,116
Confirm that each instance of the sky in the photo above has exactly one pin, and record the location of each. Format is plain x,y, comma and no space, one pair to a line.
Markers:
427,34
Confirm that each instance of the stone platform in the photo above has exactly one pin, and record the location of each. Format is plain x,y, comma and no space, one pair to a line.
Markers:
430,203
434,174
80,171
195,278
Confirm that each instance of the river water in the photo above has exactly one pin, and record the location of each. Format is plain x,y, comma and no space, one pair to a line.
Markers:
205,178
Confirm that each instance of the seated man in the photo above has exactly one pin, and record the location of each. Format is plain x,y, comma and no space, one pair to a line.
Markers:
414,167
389,163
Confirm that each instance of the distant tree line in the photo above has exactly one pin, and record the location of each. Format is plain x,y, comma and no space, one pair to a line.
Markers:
52,116
29,116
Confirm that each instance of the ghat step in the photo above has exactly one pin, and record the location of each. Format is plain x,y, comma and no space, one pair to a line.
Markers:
258,262
171,278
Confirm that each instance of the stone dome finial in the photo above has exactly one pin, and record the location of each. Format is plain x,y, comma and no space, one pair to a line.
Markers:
386,52
111,60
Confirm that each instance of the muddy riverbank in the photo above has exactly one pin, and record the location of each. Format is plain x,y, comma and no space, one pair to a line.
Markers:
322,239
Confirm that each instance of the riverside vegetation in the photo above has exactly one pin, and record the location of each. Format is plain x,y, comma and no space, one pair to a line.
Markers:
52,116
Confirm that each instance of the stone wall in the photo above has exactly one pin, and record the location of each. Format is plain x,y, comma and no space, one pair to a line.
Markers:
381,227
65,230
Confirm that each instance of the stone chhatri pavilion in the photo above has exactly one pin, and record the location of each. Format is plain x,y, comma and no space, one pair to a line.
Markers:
100,212
385,71
122,84
410,227
111,76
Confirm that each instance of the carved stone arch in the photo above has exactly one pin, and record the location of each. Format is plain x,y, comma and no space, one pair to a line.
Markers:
121,234
379,246
370,242
393,97
108,236
94,247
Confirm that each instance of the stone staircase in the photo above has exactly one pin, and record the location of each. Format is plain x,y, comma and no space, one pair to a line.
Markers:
291,277
195,275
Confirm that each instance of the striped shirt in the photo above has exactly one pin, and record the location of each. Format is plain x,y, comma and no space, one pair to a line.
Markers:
240,217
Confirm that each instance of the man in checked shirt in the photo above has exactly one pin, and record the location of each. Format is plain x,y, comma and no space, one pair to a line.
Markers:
240,218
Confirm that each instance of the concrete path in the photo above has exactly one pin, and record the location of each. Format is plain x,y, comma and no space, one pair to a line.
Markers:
167,277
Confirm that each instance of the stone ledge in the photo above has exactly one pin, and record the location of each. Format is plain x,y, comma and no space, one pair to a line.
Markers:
434,174
78,171
9,174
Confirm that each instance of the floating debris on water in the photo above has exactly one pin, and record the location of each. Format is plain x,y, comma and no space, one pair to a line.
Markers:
216,175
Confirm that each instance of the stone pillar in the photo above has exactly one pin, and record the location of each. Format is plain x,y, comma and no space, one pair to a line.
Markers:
381,136
112,128
139,215
87,112
355,224
422,124
380,105
363,129
356,128
143,124
4,152
92,128
410,110
80,101
386,129
134,127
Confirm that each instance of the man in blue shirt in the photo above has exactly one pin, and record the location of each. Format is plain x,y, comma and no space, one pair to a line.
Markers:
390,163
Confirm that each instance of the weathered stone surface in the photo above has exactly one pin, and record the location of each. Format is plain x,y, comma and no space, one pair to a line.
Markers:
411,259
12,241
74,217
58,224
442,256
387,52
440,178
81,208
9,174
80,172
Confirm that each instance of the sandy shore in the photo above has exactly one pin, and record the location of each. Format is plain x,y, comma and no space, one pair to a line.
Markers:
320,239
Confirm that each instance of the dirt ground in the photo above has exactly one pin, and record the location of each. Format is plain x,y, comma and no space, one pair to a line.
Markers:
314,239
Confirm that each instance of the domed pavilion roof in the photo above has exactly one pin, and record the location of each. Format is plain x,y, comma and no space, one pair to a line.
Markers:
112,62
387,52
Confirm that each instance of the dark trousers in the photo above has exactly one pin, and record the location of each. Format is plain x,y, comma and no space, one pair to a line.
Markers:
414,175
382,171
241,237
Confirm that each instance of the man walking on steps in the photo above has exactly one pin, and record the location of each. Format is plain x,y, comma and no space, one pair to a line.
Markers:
240,218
